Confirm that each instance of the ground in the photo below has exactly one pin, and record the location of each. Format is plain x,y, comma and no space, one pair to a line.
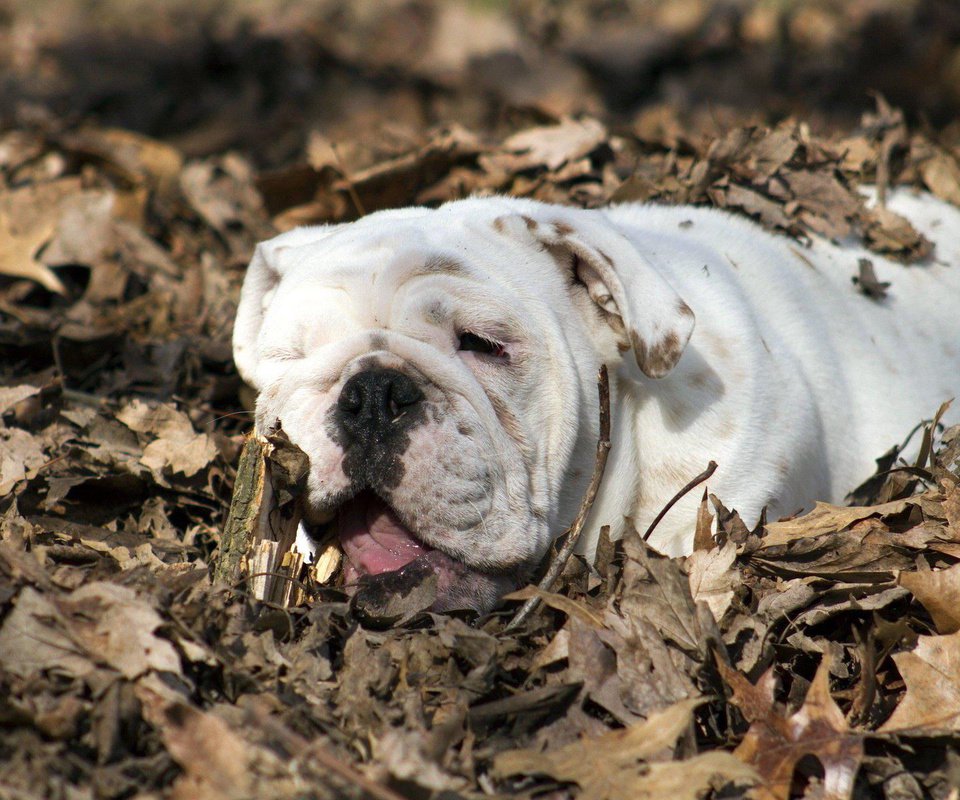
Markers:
145,148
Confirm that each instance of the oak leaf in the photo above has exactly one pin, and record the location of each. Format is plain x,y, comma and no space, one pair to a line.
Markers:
939,592
619,764
19,248
931,672
776,742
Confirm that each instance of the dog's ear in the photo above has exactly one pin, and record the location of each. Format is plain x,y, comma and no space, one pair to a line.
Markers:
637,301
259,286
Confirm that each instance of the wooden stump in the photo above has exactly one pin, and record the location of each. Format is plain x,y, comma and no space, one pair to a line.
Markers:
257,544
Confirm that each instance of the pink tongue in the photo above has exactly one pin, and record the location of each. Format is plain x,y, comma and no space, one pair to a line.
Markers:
373,539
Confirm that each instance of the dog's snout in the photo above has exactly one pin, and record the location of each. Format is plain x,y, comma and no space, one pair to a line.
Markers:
374,399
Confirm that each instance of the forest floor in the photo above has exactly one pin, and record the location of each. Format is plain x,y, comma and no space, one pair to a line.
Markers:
145,148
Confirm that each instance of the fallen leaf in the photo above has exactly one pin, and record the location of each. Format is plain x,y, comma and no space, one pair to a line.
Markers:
939,592
20,455
216,761
712,577
931,672
826,518
941,175
9,397
656,589
776,742
560,602
554,145
20,243
35,637
621,764
177,446
117,628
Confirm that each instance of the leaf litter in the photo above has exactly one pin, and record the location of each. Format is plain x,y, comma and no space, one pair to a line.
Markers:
816,656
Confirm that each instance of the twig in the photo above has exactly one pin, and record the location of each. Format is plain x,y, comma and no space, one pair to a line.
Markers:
711,468
574,531
313,753
351,189
279,575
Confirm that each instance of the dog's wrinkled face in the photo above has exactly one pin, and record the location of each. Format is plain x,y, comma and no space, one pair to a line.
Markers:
438,369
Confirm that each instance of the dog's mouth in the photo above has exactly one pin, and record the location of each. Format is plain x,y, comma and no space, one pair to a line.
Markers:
390,572
373,538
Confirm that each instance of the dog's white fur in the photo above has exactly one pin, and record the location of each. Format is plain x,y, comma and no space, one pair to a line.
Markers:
791,379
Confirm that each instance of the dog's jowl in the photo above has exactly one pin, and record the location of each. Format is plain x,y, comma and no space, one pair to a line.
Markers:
438,367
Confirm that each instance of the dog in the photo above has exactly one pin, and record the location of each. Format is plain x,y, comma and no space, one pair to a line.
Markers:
439,368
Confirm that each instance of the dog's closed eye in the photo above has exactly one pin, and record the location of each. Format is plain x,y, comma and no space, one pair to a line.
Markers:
471,342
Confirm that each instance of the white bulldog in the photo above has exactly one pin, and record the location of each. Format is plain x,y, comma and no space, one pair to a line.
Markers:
439,368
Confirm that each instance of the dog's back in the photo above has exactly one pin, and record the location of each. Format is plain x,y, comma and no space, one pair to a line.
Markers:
793,373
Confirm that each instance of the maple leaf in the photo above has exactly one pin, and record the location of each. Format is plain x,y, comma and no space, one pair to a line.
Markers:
931,672
775,742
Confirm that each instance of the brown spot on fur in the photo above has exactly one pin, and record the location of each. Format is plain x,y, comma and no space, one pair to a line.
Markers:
530,222
562,228
720,349
511,425
660,359
443,265
436,313
673,474
498,224
639,349
378,341
684,310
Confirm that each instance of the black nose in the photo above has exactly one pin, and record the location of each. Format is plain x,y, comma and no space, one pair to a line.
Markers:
373,402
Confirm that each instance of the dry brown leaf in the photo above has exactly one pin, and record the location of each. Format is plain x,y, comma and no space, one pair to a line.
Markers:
775,149
703,535
891,233
941,175
216,762
931,672
712,577
775,742
826,518
177,446
35,637
560,602
757,205
98,624
554,145
21,454
9,397
20,243
939,592
136,157
656,589
619,764
116,627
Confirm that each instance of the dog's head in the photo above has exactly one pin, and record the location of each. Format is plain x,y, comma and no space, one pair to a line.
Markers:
438,368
